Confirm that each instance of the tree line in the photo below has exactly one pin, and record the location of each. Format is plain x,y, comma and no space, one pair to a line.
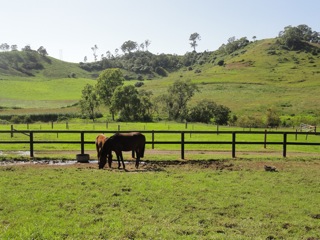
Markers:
128,103
6,47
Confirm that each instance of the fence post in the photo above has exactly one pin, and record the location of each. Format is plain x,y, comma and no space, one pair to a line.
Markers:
284,154
182,145
152,139
31,144
233,144
11,131
82,142
265,138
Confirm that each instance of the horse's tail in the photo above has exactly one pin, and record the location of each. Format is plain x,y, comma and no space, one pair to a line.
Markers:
143,146
142,151
97,147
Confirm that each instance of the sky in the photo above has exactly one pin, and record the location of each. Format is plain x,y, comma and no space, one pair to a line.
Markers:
68,29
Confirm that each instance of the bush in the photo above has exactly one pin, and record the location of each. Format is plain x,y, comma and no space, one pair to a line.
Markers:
161,71
220,62
138,84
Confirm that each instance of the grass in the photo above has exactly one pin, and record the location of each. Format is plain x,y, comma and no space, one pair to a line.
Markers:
193,151
41,93
211,200
251,82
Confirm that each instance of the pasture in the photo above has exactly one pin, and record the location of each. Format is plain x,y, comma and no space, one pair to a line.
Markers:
229,199
160,151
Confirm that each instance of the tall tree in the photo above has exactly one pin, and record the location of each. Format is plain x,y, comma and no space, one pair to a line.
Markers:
94,50
129,46
42,51
4,47
147,43
125,100
107,82
177,99
89,102
193,38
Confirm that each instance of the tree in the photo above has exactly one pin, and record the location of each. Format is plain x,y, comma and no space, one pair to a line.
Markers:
94,49
131,104
89,102
292,37
4,47
273,119
107,82
129,46
193,38
202,112
27,48
177,98
14,47
146,107
221,115
42,51
147,44
125,100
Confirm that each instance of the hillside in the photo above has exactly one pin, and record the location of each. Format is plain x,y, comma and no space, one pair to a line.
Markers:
250,80
32,64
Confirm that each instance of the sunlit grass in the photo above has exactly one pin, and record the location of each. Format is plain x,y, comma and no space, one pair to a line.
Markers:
241,201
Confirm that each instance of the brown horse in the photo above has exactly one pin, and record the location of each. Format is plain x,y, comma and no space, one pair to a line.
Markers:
119,142
100,139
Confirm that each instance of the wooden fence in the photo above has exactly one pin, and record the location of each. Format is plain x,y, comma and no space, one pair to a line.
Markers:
182,142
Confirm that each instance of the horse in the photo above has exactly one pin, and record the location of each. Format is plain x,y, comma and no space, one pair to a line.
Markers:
100,139
134,141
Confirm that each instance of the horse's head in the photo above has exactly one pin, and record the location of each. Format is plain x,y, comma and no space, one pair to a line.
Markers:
105,152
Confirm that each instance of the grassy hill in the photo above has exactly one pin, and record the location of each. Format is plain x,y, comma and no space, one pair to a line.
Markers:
250,80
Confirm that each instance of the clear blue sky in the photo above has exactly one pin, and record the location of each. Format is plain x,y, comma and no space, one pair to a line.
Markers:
69,28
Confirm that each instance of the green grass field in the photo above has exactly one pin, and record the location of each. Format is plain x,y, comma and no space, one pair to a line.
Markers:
209,200
193,151
251,81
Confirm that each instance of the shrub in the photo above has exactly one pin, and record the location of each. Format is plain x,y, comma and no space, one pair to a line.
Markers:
161,71
138,84
220,62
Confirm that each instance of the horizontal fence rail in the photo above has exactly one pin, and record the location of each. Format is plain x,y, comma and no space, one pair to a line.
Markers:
182,142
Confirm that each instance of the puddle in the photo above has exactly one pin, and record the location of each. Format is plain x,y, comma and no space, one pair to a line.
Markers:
42,162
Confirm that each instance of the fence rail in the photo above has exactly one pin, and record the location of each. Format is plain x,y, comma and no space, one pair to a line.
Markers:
182,142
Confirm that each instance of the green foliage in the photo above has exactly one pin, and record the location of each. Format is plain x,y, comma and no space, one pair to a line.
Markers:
131,105
161,71
273,119
202,112
293,37
89,102
234,44
177,98
107,82
193,40
221,115
129,46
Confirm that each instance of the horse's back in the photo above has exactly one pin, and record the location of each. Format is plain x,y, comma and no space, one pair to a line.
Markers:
128,141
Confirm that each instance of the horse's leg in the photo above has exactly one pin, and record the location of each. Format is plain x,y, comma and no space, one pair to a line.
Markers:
110,159
124,167
132,154
138,158
118,158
